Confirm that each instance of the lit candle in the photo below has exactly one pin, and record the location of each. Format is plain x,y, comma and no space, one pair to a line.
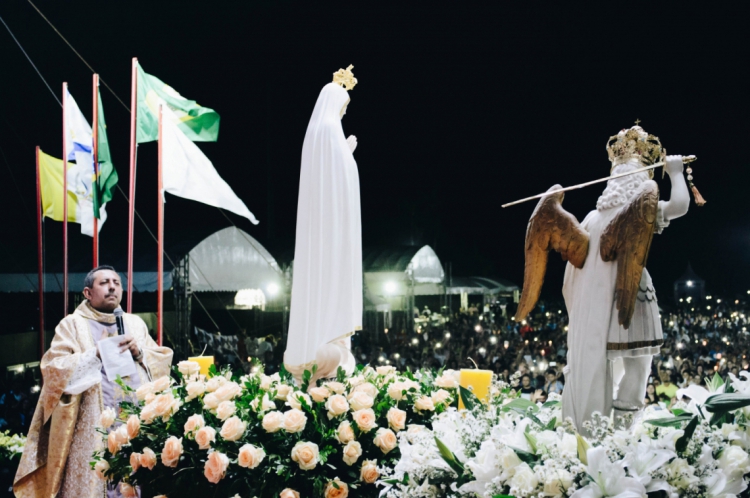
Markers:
204,361
478,382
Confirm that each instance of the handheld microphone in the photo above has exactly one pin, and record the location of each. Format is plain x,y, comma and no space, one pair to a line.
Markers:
119,321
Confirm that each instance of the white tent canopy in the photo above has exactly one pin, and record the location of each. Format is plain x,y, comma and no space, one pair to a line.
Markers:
231,260
390,272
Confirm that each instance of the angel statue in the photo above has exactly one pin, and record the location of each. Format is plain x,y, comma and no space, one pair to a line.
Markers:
612,308
326,307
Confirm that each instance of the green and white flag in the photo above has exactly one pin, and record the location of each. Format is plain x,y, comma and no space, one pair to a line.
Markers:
107,179
199,124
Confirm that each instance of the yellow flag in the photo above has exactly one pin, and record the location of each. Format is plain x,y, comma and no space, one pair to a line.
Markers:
51,182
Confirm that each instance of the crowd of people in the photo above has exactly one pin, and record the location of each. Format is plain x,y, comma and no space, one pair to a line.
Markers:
698,343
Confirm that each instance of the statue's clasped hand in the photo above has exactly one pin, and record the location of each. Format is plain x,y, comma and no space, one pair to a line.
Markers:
674,165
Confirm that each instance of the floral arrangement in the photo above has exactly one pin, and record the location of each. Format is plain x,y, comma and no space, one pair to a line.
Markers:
11,448
512,447
264,436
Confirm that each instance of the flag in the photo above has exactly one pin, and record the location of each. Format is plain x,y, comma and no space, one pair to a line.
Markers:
79,143
188,173
51,183
199,124
107,179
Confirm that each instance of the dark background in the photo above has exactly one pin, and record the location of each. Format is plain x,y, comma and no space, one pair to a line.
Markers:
461,107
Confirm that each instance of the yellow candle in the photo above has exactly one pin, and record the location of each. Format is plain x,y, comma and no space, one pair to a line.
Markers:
204,361
478,382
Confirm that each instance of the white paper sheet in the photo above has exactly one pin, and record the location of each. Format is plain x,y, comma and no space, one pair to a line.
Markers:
116,363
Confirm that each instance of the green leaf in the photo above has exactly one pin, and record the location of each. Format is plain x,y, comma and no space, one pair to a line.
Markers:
726,402
671,421
551,404
523,404
714,384
551,424
531,440
583,448
449,457
525,456
502,496
681,444
468,398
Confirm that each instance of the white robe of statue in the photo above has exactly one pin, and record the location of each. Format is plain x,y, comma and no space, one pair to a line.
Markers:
593,324
326,304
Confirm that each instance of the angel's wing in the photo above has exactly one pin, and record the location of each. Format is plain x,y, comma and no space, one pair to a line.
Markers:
627,240
550,227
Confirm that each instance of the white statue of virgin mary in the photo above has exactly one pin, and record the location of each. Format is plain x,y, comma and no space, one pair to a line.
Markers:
326,306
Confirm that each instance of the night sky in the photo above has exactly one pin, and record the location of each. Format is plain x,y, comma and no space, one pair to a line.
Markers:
458,110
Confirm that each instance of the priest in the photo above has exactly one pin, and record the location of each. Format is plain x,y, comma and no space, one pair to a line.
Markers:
63,437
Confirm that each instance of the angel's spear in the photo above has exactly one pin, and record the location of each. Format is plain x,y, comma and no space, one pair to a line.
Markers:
685,160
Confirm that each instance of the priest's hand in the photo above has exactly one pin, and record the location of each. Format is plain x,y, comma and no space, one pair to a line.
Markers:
128,343
352,142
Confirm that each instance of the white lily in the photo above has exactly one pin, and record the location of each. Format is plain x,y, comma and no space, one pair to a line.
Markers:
642,460
608,479
720,486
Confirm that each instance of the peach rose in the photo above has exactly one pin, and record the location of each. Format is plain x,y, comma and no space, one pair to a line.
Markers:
448,380
134,426
385,370
101,467
143,390
265,382
162,383
107,418
336,406
204,437
148,458
336,489
365,419
360,401
265,405
293,400
351,452
369,472
210,401
195,389
193,425
149,398
289,493
396,419
345,433
335,387
273,421
226,409
440,396
135,461
164,406
294,420
215,382
216,467
282,391
170,454
368,389
386,440
228,392
250,456
148,414
117,438
233,429
306,454
396,391
424,404
128,491
356,380
319,394
188,368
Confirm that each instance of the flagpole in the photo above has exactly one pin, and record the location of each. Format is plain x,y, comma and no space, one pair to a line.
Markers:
94,150
160,243
40,258
131,207
65,202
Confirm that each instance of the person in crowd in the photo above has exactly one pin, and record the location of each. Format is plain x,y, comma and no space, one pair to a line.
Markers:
553,385
76,389
651,397
526,389
666,388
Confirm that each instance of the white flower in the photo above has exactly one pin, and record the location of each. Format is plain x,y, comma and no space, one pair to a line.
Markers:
107,418
680,473
293,399
524,481
642,460
557,482
720,486
734,462
608,479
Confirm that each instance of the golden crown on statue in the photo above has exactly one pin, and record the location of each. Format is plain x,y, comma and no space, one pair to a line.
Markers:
635,143
345,78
